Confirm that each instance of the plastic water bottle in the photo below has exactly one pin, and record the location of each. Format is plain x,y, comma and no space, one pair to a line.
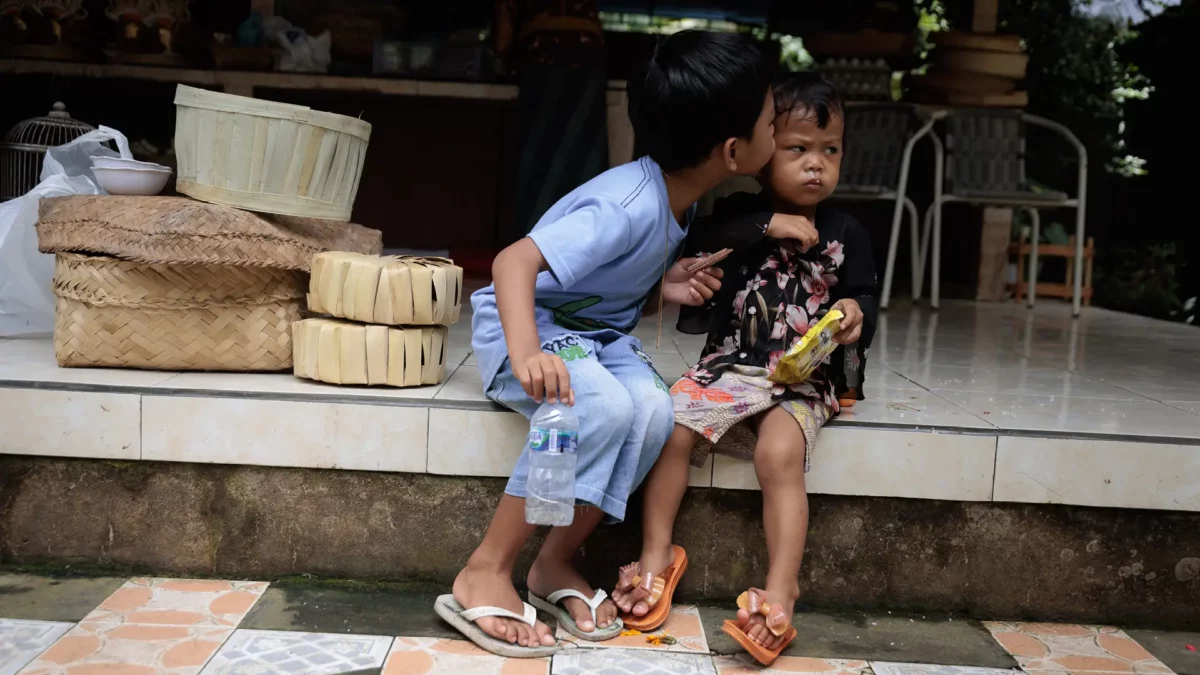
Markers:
550,488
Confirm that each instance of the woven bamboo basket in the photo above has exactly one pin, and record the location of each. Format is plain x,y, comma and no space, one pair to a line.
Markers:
266,156
392,290
340,352
181,230
120,314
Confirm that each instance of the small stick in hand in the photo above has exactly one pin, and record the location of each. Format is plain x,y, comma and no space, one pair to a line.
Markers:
711,260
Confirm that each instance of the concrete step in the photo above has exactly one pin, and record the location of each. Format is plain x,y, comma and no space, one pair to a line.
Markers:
1045,562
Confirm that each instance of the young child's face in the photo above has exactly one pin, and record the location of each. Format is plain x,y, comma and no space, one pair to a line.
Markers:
754,153
808,159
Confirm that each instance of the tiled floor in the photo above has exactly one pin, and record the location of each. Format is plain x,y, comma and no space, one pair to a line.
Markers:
973,365
976,402
182,626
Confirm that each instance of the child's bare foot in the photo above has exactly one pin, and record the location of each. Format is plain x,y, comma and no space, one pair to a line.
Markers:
476,586
547,576
653,562
758,627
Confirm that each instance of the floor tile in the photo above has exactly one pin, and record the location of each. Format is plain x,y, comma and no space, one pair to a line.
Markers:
1006,379
1057,648
1080,415
309,434
886,668
33,361
22,641
630,662
464,385
744,664
286,384
1171,647
916,408
66,599
882,635
1186,406
432,656
369,608
179,602
1097,473
683,625
96,425
257,652
130,649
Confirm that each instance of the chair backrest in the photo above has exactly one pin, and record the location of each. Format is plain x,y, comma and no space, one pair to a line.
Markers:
874,149
985,152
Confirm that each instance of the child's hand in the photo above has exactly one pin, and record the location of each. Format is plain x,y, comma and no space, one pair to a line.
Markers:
799,228
685,288
851,327
542,373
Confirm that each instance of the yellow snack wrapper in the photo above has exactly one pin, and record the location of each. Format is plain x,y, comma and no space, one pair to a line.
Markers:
817,344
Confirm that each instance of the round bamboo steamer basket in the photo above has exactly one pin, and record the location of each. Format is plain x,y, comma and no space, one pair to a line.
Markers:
266,156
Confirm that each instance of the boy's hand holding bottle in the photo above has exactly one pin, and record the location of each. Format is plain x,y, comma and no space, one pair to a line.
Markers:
544,376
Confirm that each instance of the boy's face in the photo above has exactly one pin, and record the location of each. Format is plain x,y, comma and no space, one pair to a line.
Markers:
754,153
808,159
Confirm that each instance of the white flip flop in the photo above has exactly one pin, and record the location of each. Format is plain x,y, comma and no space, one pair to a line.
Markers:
551,606
464,620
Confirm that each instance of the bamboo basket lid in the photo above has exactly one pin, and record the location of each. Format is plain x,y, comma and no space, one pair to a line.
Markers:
181,230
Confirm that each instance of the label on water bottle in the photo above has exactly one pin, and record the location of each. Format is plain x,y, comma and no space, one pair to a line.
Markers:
552,440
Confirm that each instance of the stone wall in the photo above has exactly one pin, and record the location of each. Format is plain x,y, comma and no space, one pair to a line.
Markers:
987,560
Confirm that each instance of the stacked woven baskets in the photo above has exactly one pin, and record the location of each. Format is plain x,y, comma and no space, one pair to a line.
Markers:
169,283
391,320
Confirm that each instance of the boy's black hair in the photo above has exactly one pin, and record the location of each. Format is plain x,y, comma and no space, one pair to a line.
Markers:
697,90
808,94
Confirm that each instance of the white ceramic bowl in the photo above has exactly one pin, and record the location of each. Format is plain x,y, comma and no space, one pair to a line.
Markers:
120,163
131,181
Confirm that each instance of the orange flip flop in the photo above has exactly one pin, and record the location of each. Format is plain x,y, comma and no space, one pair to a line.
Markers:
660,590
761,654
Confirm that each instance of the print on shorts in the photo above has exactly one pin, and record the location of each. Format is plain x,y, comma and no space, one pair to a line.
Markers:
658,381
567,347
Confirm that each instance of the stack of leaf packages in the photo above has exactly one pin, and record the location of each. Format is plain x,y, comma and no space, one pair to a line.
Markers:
390,318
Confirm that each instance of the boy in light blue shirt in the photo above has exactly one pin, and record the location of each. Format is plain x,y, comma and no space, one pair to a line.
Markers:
556,325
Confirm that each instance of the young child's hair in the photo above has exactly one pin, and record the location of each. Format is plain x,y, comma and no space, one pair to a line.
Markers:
807,94
698,90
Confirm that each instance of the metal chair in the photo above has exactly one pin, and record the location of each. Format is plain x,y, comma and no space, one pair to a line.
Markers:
878,151
983,163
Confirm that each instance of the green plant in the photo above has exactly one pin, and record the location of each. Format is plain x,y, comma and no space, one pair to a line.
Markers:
1142,279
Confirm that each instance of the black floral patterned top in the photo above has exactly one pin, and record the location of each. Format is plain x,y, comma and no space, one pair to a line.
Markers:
772,292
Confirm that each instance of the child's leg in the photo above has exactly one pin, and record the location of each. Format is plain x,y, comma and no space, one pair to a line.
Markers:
605,412
779,463
664,492
649,420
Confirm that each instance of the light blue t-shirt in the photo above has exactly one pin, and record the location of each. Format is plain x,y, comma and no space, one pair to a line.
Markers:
605,244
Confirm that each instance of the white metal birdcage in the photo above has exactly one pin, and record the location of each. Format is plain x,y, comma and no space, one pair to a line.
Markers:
24,147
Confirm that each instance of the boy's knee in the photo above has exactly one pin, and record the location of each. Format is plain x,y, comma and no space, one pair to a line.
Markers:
661,421
776,459
608,412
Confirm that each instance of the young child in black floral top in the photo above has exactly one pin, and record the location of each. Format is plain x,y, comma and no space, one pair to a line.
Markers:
794,259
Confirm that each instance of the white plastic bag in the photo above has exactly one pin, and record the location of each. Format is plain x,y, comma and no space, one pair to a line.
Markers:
26,298
302,53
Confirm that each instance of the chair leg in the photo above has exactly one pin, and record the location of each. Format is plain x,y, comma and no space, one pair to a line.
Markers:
914,236
1080,262
936,281
1034,239
893,244
923,258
